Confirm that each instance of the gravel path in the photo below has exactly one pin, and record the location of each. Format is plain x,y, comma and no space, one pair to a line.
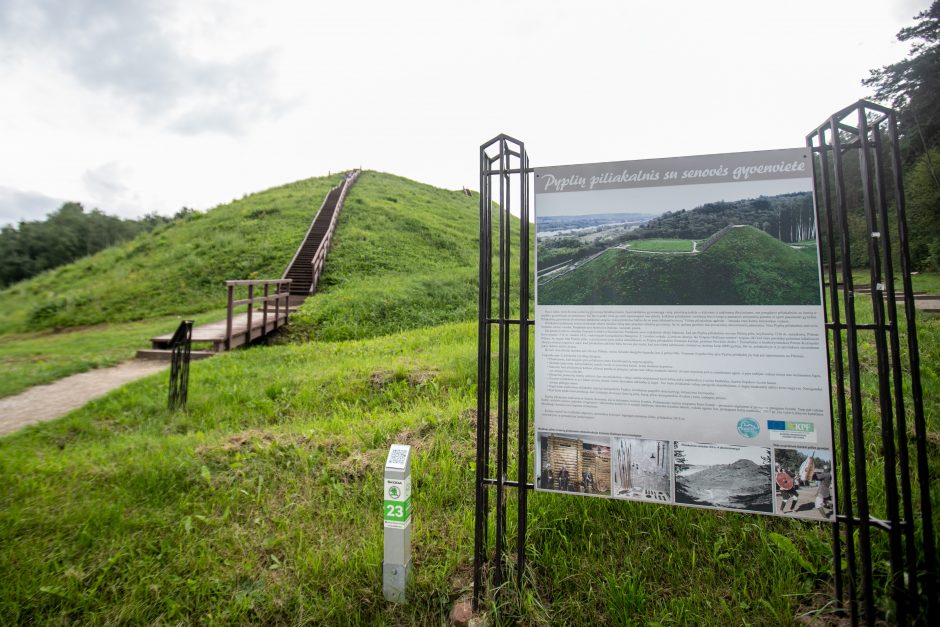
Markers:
53,400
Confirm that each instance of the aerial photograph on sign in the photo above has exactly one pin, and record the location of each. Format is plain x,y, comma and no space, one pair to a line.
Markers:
724,476
726,243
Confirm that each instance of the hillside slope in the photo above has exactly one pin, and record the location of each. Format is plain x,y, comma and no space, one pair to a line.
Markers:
745,267
174,270
404,256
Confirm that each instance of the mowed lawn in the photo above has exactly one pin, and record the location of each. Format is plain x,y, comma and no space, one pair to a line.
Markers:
662,245
29,359
261,504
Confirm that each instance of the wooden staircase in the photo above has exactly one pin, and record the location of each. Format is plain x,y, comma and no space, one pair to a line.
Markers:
299,281
305,268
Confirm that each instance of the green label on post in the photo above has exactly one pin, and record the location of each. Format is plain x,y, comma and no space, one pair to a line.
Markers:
397,502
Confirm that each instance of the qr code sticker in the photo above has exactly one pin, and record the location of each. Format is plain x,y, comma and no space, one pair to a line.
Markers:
397,456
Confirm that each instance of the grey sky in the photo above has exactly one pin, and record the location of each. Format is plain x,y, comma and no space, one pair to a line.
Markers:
129,49
16,205
197,102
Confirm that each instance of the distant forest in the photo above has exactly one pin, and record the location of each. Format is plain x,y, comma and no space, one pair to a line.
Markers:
64,236
787,217
912,87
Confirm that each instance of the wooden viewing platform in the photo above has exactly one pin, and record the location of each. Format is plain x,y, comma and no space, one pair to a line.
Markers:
237,329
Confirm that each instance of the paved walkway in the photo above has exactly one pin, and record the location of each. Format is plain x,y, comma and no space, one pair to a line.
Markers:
48,402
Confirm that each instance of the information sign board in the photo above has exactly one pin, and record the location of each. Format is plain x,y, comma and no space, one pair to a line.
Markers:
680,340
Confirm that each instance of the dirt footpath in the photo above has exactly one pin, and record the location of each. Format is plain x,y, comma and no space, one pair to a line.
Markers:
50,401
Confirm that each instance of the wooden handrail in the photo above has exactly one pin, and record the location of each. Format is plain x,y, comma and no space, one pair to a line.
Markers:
257,299
256,281
309,230
282,292
320,256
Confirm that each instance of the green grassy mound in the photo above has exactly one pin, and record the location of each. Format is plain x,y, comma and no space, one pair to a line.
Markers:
404,256
745,267
174,270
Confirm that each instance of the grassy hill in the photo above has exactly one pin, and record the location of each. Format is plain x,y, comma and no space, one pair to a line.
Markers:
744,267
176,269
404,256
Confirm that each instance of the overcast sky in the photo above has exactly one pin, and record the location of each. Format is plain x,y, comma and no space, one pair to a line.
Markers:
135,106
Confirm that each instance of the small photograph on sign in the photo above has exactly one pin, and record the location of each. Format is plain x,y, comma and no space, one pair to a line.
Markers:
803,483
641,469
574,463
723,476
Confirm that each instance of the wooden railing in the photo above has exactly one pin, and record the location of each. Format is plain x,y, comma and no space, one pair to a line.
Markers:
280,298
320,257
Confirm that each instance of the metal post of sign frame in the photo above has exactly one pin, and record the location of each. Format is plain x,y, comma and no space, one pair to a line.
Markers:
860,144
503,159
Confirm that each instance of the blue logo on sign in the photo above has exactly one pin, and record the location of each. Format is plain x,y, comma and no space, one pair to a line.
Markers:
748,427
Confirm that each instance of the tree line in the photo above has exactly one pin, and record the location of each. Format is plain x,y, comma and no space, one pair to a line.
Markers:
32,247
912,87
788,217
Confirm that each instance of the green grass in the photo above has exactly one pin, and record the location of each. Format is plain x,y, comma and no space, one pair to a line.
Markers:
29,359
404,257
176,269
928,335
262,504
922,281
662,245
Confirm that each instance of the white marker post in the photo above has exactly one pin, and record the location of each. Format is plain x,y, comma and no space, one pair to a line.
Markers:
396,564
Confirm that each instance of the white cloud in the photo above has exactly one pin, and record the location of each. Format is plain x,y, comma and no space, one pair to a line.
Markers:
130,50
105,186
203,101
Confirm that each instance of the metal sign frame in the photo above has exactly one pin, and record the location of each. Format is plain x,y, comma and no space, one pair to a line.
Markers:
509,165
868,133
864,129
